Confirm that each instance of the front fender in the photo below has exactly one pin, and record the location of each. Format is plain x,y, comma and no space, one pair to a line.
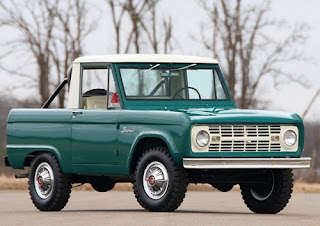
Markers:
167,138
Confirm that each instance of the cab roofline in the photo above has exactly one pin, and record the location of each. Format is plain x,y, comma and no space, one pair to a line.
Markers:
146,58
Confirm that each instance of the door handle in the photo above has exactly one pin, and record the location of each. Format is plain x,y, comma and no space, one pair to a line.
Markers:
75,113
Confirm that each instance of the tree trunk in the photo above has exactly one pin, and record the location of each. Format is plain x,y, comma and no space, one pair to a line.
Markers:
43,65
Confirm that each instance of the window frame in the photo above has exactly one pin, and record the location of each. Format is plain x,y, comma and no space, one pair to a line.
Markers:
92,66
198,66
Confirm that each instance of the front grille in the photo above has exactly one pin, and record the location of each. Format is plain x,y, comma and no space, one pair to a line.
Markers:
239,138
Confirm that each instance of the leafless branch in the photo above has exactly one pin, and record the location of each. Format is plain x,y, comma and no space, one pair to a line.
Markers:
239,29
311,103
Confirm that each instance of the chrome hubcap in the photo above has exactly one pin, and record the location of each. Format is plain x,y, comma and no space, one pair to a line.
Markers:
263,192
155,180
44,180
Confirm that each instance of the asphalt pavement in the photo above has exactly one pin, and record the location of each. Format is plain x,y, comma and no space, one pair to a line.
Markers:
121,208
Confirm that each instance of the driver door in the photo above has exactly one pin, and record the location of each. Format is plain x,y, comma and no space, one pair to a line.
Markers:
94,124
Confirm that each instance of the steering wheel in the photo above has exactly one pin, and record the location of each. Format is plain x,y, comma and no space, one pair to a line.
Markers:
189,87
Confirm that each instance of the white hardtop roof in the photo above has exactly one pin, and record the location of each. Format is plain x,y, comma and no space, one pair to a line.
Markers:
145,58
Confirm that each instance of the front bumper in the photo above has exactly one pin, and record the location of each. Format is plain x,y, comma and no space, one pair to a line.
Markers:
246,163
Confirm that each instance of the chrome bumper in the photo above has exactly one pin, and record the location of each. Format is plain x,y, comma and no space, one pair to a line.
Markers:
246,163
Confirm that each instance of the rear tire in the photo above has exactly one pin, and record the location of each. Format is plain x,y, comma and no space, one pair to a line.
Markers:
160,185
270,198
49,188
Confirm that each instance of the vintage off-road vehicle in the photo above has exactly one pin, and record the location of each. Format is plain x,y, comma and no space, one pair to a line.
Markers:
160,122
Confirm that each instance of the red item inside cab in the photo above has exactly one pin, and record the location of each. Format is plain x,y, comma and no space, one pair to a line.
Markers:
115,98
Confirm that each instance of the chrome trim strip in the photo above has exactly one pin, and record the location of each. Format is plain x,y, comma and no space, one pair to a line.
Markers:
246,163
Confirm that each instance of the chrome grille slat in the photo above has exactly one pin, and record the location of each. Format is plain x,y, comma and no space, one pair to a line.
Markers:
245,138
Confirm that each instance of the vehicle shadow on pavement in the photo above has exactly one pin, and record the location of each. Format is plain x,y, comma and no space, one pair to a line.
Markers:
142,211
177,211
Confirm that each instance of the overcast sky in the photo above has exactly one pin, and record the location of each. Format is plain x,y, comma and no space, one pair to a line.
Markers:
187,16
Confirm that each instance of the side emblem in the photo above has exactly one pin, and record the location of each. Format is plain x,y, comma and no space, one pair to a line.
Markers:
125,130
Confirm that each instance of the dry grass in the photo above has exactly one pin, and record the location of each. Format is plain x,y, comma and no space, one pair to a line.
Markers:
22,184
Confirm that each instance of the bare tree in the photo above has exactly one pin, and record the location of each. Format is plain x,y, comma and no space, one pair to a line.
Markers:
151,33
311,103
135,10
72,28
157,32
145,22
53,32
35,21
131,10
117,20
241,42
168,36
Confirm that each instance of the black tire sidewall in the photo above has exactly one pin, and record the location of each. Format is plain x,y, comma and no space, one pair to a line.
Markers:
144,162
38,201
276,198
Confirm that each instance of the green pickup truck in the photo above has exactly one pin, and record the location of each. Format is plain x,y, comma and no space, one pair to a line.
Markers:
159,122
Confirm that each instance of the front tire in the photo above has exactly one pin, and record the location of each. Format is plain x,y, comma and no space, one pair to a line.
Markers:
49,188
160,185
269,198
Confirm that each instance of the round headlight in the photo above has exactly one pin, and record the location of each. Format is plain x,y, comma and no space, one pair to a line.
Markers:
290,137
202,138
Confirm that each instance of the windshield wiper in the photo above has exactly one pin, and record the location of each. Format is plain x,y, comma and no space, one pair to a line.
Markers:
153,67
183,68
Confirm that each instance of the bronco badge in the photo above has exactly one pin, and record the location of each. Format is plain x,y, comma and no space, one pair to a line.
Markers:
125,130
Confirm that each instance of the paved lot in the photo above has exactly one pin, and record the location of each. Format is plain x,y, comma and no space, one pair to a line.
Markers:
121,208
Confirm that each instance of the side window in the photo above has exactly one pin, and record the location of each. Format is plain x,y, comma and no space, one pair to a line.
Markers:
95,92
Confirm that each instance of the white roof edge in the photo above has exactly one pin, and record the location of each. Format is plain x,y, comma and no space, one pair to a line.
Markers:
145,58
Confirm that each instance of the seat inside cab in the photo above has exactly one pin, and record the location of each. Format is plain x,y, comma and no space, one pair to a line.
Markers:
95,99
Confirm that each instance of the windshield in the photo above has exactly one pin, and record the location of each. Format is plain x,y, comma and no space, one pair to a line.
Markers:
166,82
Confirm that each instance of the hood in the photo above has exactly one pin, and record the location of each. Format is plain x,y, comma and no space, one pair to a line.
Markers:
236,116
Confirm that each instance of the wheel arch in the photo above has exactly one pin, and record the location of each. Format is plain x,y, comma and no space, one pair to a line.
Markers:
146,141
29,158
20,155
